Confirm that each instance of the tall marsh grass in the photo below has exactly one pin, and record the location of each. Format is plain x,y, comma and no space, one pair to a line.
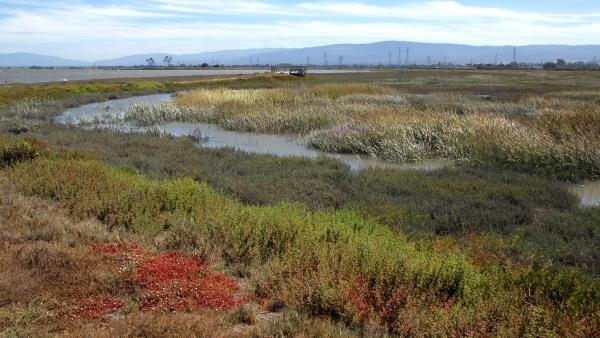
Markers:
554,135
30,109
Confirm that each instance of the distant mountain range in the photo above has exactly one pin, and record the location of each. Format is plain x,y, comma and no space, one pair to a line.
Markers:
28,59
384,53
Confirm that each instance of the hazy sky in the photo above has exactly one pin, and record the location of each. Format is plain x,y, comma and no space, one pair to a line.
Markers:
98,29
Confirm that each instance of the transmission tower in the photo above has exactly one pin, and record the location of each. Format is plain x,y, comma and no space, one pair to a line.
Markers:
325,62
429,60
390,57
308,60
399,56
515,55
407,55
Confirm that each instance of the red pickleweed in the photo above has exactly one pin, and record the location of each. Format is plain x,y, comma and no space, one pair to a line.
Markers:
176,282
173,281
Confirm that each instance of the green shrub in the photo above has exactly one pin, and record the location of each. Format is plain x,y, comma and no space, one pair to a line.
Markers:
13,150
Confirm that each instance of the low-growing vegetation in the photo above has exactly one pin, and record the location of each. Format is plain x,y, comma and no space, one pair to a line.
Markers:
316,262
106,233
66,276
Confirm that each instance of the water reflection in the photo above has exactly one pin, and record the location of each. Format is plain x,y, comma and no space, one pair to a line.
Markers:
588,193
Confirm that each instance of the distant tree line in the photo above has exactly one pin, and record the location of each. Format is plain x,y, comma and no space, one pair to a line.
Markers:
561,64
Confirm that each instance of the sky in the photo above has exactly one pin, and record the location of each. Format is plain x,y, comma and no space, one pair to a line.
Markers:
101,29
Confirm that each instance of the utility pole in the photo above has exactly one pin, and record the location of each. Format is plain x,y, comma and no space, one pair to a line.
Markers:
308,60
390,57
496,59
399,56
340,60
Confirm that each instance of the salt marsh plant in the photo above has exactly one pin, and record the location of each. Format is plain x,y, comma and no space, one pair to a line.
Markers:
558,135
149,115
328,263
452,252
30,109
475,139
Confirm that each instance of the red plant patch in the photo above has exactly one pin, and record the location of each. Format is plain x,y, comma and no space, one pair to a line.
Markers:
95,308
375,301
175,282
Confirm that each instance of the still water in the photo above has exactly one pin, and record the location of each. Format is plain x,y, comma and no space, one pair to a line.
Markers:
22,75
216,137
588,193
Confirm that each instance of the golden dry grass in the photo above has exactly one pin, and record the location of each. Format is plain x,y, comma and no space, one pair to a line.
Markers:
557,133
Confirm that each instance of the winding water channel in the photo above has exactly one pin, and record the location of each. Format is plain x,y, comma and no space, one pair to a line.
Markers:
279,145
217,137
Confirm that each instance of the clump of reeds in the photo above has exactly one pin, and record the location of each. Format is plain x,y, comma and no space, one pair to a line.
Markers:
146,115
30,109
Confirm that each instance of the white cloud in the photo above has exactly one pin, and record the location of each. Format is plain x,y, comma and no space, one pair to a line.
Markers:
438,10
220,7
